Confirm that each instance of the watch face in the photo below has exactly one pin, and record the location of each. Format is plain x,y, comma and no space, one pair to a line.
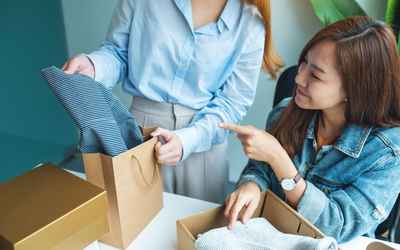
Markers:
288,184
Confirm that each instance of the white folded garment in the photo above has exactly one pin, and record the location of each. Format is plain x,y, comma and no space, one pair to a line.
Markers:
259,234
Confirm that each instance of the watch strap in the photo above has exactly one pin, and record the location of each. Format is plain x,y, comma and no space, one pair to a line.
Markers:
297,177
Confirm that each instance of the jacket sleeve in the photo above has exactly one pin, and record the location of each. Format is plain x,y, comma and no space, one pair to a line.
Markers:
358,208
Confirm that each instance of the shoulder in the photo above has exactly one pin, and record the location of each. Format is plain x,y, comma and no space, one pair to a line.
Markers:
388,137
250,15
378,150
250,10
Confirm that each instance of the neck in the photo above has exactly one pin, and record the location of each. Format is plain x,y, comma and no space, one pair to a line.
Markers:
332,122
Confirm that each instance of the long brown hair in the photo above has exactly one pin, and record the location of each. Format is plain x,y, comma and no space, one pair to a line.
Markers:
271,61
368,62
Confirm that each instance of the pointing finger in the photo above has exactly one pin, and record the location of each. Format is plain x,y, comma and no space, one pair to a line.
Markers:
235,128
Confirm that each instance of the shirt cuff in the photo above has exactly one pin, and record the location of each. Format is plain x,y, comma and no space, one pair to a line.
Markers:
312,203
189,140
100,69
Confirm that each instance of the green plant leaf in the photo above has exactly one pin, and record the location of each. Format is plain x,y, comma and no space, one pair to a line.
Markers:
398,43
392,11
330,11
393,16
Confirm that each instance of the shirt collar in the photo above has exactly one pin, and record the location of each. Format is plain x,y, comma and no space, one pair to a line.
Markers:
228,17
350,142
231,13
185,7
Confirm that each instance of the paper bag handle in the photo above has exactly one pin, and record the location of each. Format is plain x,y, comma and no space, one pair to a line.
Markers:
151,185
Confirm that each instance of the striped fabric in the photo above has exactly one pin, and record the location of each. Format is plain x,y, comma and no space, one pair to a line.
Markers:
105,124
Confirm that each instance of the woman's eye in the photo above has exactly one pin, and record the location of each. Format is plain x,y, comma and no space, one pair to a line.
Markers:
314,76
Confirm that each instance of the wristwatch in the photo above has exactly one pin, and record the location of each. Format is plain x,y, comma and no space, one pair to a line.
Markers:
288,184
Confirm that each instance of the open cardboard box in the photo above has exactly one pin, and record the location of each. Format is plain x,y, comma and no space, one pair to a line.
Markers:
277,212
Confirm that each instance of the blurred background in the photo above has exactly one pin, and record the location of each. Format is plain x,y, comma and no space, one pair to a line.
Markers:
34,127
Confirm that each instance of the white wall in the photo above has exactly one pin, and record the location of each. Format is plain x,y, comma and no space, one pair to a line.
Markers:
293,24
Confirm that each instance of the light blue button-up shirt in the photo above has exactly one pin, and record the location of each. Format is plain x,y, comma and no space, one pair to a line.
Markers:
152,47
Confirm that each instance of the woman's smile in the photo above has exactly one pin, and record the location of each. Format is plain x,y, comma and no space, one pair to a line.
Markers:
300,92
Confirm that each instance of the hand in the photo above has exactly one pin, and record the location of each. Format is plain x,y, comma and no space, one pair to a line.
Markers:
170,153
81,64
248,195
257,144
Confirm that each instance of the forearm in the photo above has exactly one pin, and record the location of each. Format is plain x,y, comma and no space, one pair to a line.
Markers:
283,167
110,66
201,134
256,172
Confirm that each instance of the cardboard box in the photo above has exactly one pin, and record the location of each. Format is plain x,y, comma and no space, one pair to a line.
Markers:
277,212
50,208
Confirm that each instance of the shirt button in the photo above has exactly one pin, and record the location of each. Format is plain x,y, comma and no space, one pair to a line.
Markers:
306,165
326,191
183,64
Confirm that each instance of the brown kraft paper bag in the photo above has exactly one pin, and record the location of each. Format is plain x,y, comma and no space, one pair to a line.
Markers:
134,188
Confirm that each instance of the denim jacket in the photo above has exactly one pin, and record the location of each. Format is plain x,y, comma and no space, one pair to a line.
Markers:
352,185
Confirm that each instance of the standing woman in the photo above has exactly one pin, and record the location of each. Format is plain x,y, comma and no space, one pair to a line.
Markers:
332,151
189,66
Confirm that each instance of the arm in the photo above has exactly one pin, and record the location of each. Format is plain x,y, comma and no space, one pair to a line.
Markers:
258,172
110,60
230,103
357,209
262,146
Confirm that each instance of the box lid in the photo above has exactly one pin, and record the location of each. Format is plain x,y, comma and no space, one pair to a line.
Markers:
40,198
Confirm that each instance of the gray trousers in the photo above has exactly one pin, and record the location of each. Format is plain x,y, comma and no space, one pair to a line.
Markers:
202,175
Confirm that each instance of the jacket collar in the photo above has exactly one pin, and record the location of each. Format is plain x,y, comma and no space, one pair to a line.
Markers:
350,142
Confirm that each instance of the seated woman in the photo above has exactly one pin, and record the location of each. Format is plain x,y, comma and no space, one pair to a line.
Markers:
332,150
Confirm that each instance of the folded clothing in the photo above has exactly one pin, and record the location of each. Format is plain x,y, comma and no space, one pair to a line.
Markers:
105,125
259,234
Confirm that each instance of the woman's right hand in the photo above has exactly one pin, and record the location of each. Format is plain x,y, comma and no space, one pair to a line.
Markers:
248,195
81,64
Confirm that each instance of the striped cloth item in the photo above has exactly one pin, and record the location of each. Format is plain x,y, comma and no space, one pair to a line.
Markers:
105,125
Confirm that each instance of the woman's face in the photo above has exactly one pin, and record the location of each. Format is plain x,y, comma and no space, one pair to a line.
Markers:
319,86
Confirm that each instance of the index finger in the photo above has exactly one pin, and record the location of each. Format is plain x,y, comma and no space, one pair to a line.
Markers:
234,212
233,127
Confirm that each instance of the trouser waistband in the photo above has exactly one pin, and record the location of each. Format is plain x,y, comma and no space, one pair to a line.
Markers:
163,109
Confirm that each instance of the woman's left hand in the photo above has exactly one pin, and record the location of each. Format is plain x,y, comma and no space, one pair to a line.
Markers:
169,153
257,144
